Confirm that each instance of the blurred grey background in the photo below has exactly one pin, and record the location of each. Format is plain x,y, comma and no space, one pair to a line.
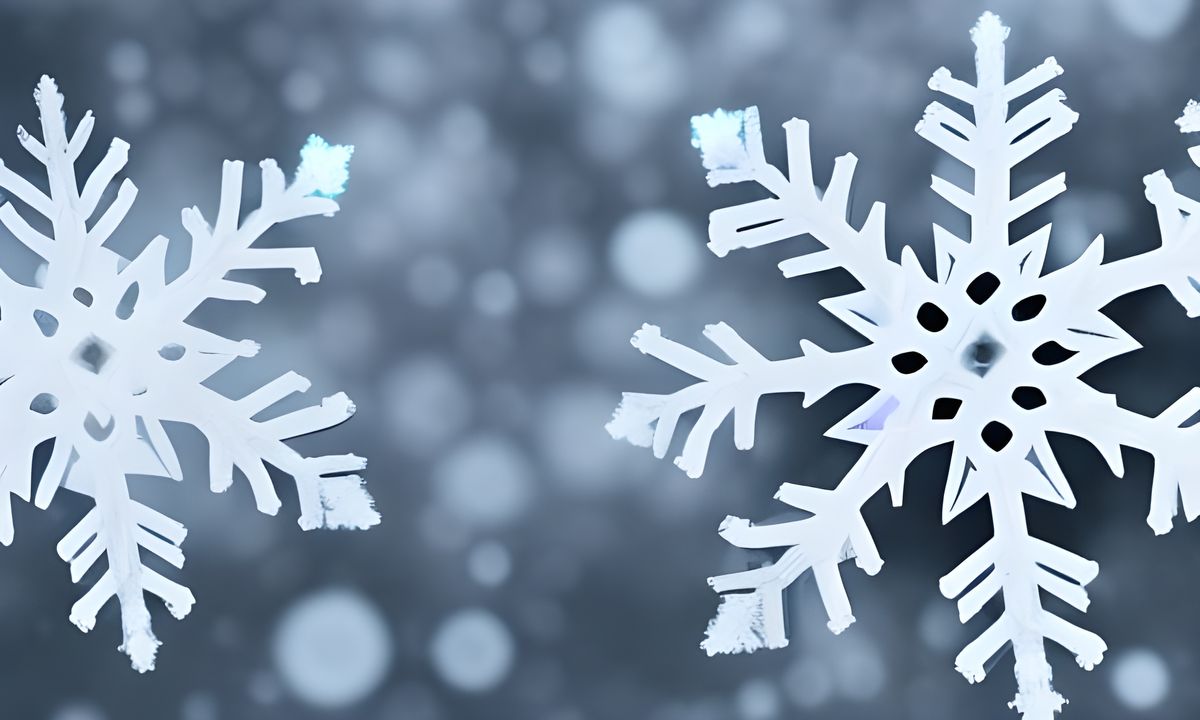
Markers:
523,196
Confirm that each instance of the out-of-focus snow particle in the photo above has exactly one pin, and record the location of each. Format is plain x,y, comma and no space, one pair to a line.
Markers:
264,688
303,91
326,166
655,253
199,706
578,457
178,78
555,266
489,563
750,29
859,670
939,627
1150,19
332,648
433,280
463,129
385,141
757,699
1140,679
397,71
495,293
629,60
485,481
78,711
418,10
128,61
472,651
808,683
524,18
134,107
545,61
427,402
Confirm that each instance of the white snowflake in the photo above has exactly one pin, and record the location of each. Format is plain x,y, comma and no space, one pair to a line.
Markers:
101,356
987,357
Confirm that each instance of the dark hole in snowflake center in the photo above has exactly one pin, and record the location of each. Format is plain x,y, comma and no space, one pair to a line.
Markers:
945,408
982,355
996,435
93,354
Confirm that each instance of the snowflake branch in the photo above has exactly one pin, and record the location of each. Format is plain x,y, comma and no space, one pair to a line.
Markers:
650,420
1018,567
331,494
746,622
994,142
731,144
117,527
226,246
1170,438
1175,264
73,245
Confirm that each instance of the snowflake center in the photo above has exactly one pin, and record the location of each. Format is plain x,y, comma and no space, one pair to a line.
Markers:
92,354
982,354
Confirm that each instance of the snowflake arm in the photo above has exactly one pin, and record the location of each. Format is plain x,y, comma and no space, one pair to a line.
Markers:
331,495
731,146
118,528
1018,567
1170,438
109,358
835,532
994,143
723,389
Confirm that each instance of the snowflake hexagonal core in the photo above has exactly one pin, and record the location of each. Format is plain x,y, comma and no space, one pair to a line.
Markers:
986,356
105,357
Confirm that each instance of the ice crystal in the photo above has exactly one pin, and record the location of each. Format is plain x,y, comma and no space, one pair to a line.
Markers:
101,356
985,356
325,167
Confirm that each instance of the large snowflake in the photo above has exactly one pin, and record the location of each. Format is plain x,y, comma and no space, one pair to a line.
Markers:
986,356
99,355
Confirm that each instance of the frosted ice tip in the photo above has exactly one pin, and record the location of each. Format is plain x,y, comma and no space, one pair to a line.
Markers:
1189,121
326,166
989,30
727,138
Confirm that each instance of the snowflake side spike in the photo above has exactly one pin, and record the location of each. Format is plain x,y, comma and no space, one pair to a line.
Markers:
985,356
107,358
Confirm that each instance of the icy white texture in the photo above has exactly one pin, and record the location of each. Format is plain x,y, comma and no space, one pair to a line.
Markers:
986,356
730,144
324,167
101,356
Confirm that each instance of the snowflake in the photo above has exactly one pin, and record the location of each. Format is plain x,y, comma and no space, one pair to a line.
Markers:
105,357
987,357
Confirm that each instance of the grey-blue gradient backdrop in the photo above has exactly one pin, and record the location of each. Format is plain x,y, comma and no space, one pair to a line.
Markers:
522,198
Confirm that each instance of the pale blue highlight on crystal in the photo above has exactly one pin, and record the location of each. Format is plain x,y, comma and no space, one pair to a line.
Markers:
724,138
326,166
